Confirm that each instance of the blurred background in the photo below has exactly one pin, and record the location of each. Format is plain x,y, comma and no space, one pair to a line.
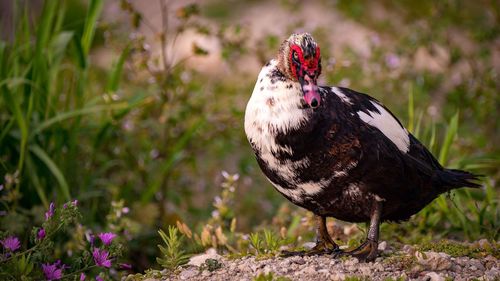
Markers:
136,108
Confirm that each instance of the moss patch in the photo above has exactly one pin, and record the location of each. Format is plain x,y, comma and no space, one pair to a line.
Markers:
457,249
402,262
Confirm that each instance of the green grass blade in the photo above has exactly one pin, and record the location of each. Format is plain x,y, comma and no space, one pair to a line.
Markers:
95,7
31,169
451,133
418,125
116,72
74,113
45,26
2,59
432,141
79,54
16,110
59,45
411,110
56,172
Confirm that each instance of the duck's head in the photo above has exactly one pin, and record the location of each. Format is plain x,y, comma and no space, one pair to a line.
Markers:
300,60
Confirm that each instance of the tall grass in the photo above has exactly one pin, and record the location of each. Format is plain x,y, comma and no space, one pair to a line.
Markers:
473,212
45,100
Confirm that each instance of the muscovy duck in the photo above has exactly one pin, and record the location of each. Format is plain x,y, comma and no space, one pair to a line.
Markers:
337,152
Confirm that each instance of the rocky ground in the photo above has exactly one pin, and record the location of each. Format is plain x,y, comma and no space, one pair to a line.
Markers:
406,263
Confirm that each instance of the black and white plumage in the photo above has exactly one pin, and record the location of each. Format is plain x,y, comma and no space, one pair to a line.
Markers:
336,152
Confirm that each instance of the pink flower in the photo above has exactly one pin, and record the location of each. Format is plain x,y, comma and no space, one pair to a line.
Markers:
53,271
82,276
101,258
98,278
50,212
11,243
41,234
107,237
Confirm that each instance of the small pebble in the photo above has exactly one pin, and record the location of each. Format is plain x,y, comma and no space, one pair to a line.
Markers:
382,246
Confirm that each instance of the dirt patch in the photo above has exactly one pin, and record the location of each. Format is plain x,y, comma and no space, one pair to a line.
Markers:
406,263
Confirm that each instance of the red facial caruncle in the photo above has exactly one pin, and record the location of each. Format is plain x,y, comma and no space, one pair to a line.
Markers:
309,64
305,66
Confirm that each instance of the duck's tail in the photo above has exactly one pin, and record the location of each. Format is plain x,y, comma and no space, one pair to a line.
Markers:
449,179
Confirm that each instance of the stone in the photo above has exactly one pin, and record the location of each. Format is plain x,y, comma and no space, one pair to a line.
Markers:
433,261
297,260
484,243
365,270
188,274
337,276
477,265
308,245
198,260
433,276
492,274
310,270
382,246
408,249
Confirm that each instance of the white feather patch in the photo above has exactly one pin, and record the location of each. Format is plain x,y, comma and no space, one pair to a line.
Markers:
389,126
341,95
311,188
352,191
275,108
293,194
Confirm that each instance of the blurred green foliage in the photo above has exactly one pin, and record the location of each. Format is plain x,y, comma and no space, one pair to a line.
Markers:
149,135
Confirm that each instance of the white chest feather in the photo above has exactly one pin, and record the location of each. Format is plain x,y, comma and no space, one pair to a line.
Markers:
275,107
272,108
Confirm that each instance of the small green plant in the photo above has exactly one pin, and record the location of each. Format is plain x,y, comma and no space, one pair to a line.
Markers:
270,277
212,264
256,243
173,255
267,242
357,278
395,279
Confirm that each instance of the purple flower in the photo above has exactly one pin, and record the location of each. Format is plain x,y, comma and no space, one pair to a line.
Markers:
11,243
101,258
50,212
74,203
53,271
392,61
98,278
41,234
82,276
107,237
125,266
90,237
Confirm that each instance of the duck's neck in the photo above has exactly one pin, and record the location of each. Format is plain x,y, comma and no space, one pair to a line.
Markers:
276,106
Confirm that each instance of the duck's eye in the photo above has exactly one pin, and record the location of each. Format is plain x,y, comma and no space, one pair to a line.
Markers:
295,56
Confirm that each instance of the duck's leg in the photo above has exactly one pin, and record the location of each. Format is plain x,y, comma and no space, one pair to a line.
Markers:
368,250
324,243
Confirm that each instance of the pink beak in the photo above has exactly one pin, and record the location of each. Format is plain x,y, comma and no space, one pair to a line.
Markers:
311,91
